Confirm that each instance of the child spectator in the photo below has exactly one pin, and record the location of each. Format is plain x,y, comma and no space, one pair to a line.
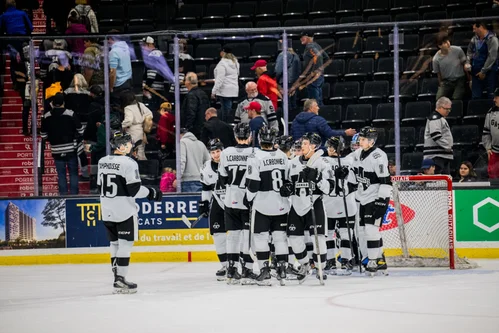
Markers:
167,179
467,173
166,131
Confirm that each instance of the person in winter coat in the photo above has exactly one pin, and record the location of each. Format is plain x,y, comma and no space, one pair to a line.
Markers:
83,10
294,71
166,129
194,106
268,111
76,45
133,124
310,121
78,98
216,128
226,82
267,86
193,155
95,113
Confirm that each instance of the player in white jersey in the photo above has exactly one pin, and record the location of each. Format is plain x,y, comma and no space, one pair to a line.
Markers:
212,204
346,185
308,169
374,191
232,172
266,173
119,185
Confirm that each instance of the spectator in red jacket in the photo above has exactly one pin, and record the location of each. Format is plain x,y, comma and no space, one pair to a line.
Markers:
166,132
267,86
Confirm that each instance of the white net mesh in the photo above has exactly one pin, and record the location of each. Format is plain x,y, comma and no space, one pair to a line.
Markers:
424,237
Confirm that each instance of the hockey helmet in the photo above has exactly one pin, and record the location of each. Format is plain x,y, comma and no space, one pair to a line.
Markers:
119,139
285,142
215,144
369,132
297,144
115,123
267,135
242,131
313,138
336,143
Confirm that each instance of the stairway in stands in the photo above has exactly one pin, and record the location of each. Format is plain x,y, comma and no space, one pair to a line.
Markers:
16,164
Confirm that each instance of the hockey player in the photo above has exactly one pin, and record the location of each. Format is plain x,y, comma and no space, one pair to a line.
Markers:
346,185
265,176
308,176
296,150
119,185
285,143
232,172
374,191
212,204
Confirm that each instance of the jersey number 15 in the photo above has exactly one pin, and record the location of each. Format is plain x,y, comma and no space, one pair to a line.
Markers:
109,185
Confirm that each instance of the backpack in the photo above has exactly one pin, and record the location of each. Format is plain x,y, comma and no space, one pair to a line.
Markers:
83,17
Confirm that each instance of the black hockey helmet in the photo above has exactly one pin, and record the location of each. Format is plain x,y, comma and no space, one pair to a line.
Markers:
242,131
215,144
119,139
285,142
297,144
267,135
313,138
369,132
336,143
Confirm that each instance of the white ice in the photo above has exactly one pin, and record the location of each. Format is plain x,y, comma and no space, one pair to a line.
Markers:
185,297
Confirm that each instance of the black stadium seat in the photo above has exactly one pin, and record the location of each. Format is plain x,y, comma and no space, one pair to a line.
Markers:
375,92
348,47
378,30
332,114
385,114
216,11
375,7
207,52
263,50
322,8
269,9
242,11
456,114
359,69
376,46
335,70
465,136
477,109
408,90
297,8
411,163
429,88
416,113
403,6
345,92
407,139
190,12
385,70
357,116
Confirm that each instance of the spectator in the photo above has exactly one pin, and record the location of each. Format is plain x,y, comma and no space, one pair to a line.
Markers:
193,155
194,106
438,139
76,45
78,98
167,181
59,75
95,113
60,127
482,61
266,85
226,82
294,71
392,167
186,65
257,121
136,114
120,66
428,167
314,59
448,63
166,129
490,137
85,15
467,173
92,62
268,111
310,121
215,128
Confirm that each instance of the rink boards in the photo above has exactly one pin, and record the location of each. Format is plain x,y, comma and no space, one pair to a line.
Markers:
70,230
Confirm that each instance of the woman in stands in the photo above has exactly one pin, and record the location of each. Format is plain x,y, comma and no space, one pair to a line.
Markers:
467,173
135,115
226,82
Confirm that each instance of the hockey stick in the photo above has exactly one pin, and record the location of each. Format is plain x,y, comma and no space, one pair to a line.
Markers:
311,185
252,213
347,217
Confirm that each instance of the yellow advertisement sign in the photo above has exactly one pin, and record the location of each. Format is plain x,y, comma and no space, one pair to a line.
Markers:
174,237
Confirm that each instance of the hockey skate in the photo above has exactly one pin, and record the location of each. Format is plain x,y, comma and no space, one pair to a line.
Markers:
264,279
330,267
303,273
346,267
248,277
291,272
122,286
371,268
233,276
221,273
281,273
382,267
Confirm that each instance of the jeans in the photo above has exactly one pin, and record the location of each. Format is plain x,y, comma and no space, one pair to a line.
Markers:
454,90
478,86
71,162
191,186
226,107
314,90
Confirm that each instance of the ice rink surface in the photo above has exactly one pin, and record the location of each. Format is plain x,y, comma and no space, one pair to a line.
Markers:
185,297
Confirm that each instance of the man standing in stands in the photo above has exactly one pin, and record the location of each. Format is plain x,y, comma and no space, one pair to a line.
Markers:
438,140
194,106
257,121
266,85
490,137
215,128
482,61
120,66
268,111
314,58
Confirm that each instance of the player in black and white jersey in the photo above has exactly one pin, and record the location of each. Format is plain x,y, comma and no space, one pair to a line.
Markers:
266,173
308,169
335,208
119,185
232,172
285,143
212,203
374,191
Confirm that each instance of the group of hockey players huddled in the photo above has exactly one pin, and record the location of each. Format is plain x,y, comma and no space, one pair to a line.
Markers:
292,208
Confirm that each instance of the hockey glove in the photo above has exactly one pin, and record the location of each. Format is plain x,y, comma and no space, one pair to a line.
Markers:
247,203
342,172
380,206
154,194
311,174
286,189
204,208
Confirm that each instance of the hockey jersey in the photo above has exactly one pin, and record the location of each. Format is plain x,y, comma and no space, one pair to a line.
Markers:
335,207
373,175
212,187
265,176
232,167
300,199
119,182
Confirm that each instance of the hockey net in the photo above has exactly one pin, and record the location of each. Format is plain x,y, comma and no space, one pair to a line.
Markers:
418,228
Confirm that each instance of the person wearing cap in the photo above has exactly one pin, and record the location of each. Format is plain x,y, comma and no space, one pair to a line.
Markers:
438,140
392,167
226,82
61,127
266,85
428,167
193,155
165,133
490,137
214,128
194,106
268,111
313,59
257,121
153,83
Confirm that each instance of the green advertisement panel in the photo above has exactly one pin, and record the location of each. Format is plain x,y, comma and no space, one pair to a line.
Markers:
477,215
